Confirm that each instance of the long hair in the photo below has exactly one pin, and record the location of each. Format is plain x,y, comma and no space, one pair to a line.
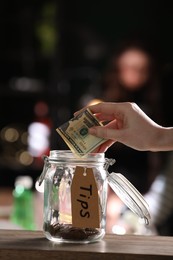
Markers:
148,95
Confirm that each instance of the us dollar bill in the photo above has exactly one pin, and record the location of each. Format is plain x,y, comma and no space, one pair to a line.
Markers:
75,133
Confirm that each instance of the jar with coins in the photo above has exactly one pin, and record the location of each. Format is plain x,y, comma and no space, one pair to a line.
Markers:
75,196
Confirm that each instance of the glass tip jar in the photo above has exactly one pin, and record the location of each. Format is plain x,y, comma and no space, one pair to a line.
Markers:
75,196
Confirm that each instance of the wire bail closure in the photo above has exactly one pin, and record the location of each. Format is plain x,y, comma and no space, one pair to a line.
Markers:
45,168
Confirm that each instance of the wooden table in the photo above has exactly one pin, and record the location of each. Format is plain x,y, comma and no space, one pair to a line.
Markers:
19,244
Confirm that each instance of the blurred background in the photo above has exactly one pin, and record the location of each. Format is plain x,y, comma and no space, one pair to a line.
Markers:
58,56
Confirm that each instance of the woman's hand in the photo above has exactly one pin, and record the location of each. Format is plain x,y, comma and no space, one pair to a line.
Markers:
127,123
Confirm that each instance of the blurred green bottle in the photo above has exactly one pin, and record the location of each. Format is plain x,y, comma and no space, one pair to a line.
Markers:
23,203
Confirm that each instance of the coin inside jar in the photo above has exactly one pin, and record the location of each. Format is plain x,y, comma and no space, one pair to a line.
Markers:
68,232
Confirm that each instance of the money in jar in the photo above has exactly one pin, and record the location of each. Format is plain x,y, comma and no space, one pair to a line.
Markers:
76,136
75,196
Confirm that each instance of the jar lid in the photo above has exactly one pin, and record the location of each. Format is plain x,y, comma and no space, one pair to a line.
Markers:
129,195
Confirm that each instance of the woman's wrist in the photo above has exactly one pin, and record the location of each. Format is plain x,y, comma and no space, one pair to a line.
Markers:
163,139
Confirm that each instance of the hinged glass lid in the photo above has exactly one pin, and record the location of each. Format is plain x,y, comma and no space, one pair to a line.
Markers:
129,195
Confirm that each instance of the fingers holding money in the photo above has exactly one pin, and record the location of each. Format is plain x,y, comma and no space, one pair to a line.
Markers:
75,133
103,132
111,122
102,117
107,111
107,132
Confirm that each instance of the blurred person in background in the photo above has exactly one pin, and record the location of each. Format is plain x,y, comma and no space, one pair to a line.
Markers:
134,75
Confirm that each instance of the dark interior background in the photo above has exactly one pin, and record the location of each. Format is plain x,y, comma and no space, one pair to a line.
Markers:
55,51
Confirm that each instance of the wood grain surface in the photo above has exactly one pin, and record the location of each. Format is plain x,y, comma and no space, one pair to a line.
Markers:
19,244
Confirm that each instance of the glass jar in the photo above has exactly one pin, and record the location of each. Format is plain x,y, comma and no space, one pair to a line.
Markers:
75,196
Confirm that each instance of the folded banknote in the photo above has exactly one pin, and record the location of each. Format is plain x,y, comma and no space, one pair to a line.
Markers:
75,133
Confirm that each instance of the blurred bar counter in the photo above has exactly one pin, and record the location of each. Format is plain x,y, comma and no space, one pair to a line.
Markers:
18,244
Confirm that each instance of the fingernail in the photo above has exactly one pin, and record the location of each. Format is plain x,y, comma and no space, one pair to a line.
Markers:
92,131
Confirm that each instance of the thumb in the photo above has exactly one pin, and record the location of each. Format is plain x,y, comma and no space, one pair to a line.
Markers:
104,132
